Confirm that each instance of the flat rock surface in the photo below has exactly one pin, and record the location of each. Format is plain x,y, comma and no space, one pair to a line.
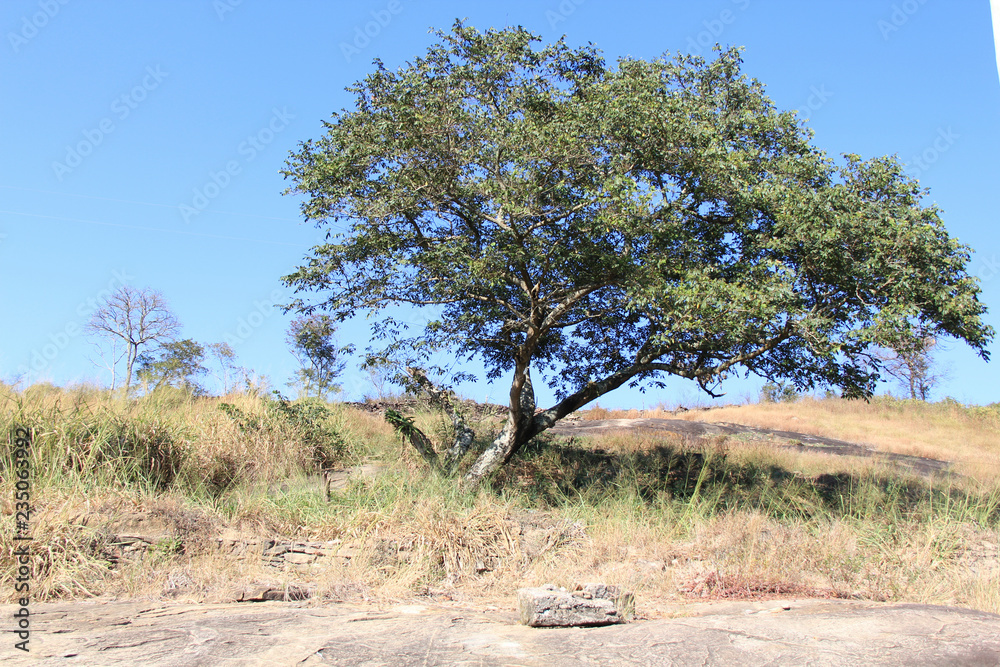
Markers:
810,632
801,441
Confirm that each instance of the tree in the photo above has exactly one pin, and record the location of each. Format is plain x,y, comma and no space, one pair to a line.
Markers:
174,364
910,363
134,319
311,340
225,359
602,226
778,393
110,351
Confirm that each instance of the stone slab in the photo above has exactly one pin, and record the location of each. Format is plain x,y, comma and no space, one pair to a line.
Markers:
810,632
588,605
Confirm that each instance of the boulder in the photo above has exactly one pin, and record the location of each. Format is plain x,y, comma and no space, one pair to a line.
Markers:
586,605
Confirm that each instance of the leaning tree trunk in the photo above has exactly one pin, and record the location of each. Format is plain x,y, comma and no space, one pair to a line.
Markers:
443,398
514,433
523,424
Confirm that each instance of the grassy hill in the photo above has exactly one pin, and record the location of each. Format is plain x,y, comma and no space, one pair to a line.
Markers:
947,431
173,496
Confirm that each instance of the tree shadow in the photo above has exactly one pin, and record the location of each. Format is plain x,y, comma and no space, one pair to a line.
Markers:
553,472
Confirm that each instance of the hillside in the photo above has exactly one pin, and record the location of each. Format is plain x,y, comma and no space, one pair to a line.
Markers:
220,499
969,437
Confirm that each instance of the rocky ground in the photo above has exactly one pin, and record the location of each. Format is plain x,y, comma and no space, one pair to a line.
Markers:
801,441
786,632
286,627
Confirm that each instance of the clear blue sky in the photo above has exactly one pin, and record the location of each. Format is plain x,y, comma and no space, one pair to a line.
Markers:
116,115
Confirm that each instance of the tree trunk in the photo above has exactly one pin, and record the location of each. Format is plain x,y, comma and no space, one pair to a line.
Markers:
132,353
442,398
513,434
463,441
523,424
404,426
494,456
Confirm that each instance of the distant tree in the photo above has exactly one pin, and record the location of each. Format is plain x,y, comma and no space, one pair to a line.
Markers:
377,378
778,392
595,226
911,364
228,373
110,351
133,319
174,364
312,341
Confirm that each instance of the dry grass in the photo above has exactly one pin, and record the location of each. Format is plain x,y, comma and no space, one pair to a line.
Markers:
946,431
671,518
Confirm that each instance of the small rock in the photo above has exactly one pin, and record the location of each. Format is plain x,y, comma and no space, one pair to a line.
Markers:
277,550
296,558
590,604
262,593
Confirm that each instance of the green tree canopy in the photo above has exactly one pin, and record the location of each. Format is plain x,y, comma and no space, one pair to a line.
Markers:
312,341
605,225
174,364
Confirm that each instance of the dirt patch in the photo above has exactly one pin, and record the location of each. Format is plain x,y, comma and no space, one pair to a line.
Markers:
797,441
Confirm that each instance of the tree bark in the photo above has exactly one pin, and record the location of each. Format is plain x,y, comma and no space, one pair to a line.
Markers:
512,436
442,397
420,442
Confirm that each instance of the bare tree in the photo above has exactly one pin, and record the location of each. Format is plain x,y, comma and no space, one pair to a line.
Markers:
912,365
134,318
110,353
225,359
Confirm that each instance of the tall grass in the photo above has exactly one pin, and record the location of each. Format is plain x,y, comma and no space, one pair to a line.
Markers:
166,440
669,517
